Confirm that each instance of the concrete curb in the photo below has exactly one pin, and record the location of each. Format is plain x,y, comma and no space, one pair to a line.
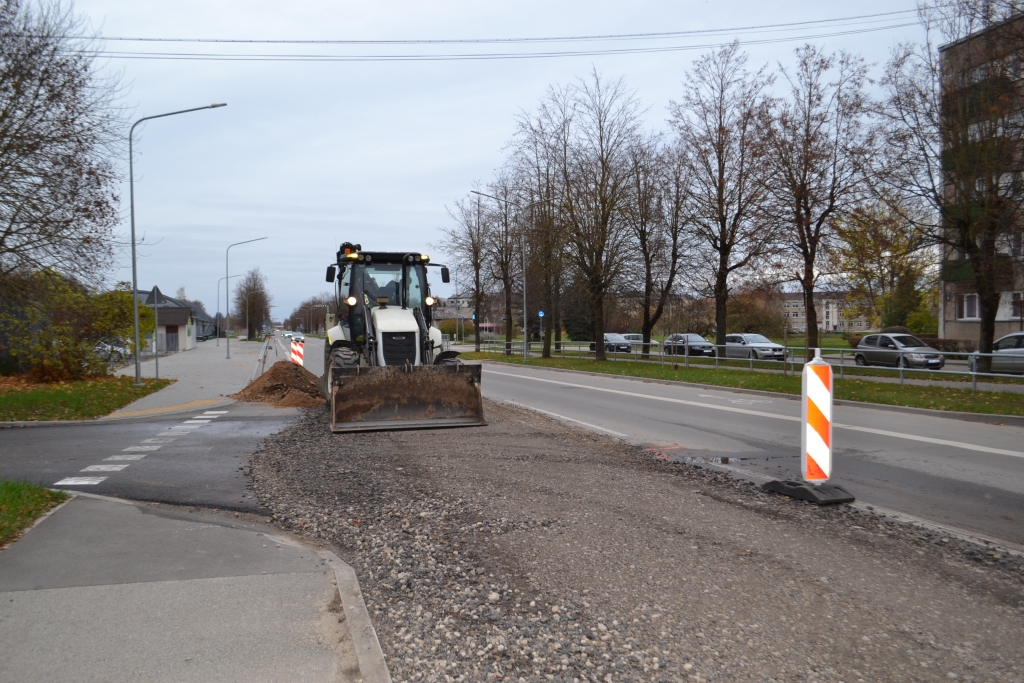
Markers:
987,418
372,666
111,420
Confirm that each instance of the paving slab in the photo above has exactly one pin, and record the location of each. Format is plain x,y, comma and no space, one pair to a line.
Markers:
104,590
204,377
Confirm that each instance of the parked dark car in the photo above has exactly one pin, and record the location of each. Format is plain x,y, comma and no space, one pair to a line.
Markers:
898,349
755,346
677,345
1007,355
614,342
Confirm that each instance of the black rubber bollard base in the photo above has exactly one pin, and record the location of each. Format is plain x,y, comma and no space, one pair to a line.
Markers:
819,494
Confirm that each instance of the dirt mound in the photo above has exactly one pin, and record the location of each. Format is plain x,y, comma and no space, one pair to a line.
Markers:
285,385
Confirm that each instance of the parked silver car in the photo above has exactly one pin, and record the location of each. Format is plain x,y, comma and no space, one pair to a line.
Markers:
898,349
638,340
677,345
1007,355
755,346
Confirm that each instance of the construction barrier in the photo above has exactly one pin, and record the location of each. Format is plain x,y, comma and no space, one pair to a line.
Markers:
816,432
297,349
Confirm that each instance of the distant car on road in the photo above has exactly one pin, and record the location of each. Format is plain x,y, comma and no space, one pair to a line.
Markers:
896,350
677,345
754,346
638,340
1008,355
614,343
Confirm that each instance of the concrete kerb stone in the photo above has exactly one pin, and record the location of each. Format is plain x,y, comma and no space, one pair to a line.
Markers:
986,418
372,666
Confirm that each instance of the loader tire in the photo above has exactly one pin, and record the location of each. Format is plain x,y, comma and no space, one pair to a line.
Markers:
344,357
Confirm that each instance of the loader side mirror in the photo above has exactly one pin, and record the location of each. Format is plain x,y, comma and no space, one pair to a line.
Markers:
445,277
332,272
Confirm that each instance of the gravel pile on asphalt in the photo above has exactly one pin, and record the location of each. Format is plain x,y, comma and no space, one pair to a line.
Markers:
285,385
529,550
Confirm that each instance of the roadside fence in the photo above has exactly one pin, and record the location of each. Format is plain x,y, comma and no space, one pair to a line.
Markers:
854,363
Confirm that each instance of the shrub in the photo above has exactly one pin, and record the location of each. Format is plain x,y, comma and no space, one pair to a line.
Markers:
449,326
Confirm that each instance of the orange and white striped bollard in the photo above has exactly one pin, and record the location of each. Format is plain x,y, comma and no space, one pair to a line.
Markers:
816,434
297,350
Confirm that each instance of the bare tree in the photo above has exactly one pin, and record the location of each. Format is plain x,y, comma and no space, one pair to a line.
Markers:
817,143
956,141
59,130
504,244
717,125
538,178
253,301
591,124
466,243
656,214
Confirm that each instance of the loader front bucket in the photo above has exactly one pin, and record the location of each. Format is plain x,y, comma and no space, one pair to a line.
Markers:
420,397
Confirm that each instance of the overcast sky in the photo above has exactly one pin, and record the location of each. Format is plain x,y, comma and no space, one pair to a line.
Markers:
309,153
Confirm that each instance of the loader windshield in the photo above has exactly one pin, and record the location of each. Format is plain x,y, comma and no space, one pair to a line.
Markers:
378,280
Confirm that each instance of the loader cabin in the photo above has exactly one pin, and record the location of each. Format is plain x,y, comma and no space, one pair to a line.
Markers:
380,279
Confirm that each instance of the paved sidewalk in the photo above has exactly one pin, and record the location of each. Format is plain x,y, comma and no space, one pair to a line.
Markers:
204,378
113,591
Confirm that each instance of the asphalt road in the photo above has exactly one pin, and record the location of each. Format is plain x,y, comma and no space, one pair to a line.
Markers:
961,474
199,464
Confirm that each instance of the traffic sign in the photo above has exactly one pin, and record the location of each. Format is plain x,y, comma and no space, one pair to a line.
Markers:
540,313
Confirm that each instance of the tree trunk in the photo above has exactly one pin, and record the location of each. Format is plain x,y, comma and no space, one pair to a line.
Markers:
721,309
807,283
556,312
508,319
546,331
476,309
988,302
597,302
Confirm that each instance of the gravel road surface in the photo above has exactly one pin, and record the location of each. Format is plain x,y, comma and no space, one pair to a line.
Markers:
530,550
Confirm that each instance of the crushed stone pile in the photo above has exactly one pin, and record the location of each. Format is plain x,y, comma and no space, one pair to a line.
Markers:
284,385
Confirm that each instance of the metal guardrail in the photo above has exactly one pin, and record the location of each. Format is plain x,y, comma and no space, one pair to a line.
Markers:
792,361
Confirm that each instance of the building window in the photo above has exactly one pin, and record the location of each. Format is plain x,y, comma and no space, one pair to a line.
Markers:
967,307
1016,308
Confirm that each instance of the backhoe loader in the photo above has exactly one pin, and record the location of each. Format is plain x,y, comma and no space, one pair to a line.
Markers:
384,367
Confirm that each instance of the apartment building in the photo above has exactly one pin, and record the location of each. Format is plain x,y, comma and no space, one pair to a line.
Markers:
832,310
982,73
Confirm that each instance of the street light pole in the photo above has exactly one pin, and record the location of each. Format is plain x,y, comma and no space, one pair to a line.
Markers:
227,290
219,321
131,202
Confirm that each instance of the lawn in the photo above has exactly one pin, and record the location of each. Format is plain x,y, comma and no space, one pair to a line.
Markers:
20,504
936,398
80,400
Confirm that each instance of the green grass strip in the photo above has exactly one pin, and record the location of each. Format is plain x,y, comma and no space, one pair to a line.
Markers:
82,400
936,398
20,504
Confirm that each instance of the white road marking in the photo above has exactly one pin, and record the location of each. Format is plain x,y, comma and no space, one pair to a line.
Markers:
157,440
79,481
177,432
127,456
196,422
206,417
141,448
759,413
104,468
215,412
569,419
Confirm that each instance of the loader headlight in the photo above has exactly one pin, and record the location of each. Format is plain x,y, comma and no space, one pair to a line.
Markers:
429,301
351,301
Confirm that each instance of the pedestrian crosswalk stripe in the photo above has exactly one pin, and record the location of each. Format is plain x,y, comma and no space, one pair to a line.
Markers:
104,468
79,481
127,456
